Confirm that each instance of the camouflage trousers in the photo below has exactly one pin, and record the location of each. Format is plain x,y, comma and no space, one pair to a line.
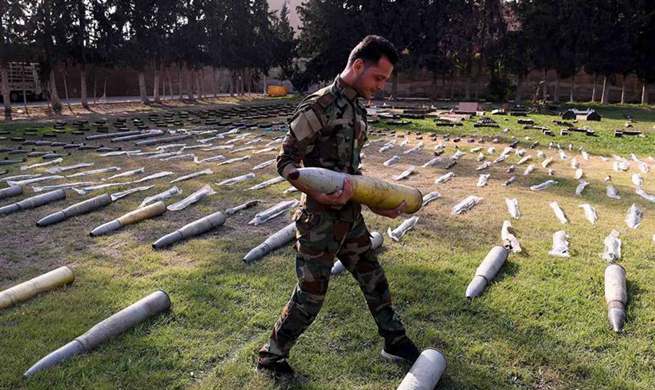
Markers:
322,236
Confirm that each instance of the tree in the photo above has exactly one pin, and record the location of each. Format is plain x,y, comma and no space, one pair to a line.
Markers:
644,44
50,24
284,42
13,44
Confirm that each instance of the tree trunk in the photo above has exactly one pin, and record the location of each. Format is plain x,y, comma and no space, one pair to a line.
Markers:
239,85
467,88
179,81
155,87
170,83
189,84
197,75
84,98
242,89
199,80
251,81
27,113
572,90
545,91
233,85
622,89
245,81
451,87
104,91
556,91
594,90
644,92
66,92
54,96
215,82
517,96
95,85
476,89
6,94
143,93
604,99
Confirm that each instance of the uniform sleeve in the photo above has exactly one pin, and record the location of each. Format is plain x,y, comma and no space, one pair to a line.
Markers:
299,141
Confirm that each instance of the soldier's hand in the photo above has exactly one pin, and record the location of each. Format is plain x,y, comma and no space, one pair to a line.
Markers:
338,198
391,213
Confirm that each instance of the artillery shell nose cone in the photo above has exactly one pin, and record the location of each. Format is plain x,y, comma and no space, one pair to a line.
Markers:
476,287
167,240
617,319
66,352
105,228
253,255
50,219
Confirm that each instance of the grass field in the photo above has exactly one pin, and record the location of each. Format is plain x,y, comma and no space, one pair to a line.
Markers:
542,323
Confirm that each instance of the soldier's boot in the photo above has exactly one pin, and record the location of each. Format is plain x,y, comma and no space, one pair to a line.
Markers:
275,368
399,351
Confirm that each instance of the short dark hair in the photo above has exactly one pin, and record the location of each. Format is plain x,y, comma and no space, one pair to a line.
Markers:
372,48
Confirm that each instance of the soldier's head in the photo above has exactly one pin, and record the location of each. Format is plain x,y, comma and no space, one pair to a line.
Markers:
370,65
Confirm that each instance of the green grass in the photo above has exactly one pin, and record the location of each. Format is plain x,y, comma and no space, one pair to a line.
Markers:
542,324
603,143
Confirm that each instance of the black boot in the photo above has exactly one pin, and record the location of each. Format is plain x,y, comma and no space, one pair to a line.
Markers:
402,350
275,368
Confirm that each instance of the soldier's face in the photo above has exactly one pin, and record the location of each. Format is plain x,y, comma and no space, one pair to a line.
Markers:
372,77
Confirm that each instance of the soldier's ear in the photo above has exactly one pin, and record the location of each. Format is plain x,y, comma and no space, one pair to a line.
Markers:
358,66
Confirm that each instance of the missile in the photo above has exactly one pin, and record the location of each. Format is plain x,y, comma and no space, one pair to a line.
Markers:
366,190
10,191
33,202
192,229
425,372
147,307
616,295
486,271
74,210
26,290
134,216
274,241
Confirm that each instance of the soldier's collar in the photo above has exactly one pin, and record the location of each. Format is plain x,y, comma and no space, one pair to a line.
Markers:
346,90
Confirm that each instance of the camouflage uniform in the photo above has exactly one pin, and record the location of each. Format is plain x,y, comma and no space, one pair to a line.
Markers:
328,130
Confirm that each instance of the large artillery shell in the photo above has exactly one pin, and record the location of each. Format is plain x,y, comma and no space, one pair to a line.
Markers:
161,196
33,202
147,134
163,140
112,135
118,323
274,241
233,210
616,295
134,216
192,229
425,372
366,190
26,290
10,191
486,271
74,210
10,161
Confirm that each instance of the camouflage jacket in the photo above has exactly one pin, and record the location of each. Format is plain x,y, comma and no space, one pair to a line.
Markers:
327,130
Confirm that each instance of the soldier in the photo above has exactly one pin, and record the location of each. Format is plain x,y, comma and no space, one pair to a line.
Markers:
328,130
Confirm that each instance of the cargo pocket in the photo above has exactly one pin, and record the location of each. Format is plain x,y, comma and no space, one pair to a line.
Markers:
315,237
